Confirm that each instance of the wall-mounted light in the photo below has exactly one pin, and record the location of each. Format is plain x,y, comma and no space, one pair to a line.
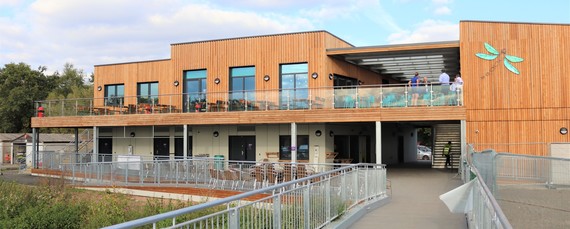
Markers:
176,83
315,75
216,134
99,88
331,133
331,76
318,133
266,78
132,134
217,80
563,130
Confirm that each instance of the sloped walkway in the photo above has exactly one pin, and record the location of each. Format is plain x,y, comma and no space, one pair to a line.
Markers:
415,200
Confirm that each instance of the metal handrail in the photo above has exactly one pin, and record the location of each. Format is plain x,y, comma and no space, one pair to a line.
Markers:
500,216
239,197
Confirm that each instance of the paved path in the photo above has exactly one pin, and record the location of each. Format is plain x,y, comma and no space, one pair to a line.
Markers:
415,201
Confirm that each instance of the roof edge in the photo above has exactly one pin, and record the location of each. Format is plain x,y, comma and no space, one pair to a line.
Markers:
515,22
258,36
399,45
132,62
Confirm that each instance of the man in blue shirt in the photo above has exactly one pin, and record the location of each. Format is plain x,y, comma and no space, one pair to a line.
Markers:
444,81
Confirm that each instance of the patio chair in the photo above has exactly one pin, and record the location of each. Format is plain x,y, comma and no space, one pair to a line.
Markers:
231,176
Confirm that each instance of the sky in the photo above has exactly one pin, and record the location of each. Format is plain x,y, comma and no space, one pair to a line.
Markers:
85,33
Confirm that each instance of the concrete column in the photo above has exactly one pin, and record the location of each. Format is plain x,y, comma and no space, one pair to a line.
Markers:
185,141
95,155
34,148
293,142
76,140
463,136
378,142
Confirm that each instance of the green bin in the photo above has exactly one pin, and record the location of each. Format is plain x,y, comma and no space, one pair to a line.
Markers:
219,162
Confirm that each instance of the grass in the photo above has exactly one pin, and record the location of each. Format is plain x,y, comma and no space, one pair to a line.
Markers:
54,205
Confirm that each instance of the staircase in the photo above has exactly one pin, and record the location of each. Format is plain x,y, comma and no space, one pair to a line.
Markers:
85,143
443,134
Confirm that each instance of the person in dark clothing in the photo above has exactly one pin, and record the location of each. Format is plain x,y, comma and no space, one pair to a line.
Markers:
447,154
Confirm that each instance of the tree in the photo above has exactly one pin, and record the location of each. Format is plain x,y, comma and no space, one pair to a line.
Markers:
65,82
20,86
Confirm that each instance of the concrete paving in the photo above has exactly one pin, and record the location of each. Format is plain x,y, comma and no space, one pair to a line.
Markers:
415,201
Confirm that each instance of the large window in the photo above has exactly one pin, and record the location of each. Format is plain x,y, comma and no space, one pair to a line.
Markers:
294,84
302,147
242,83
194,90
147,93
114,95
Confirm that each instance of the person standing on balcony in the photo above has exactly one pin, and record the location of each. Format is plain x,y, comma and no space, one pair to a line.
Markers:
457,88
447,154
414,86
444,81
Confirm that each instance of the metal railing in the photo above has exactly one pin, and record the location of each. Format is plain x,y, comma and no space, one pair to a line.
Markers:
485,212
214,173
310,202
373,96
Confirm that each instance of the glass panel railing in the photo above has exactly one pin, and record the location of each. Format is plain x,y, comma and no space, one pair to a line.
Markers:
361,97
394,96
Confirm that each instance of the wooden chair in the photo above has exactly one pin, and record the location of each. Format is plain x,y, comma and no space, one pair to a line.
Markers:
287,173
259,175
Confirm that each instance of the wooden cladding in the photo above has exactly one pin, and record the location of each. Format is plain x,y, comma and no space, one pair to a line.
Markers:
509,112
265,53
259,117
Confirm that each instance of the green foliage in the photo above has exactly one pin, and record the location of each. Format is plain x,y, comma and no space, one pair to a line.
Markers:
56,206
19,87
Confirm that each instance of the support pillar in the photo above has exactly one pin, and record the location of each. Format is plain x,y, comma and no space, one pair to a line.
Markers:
76,140
378,142
95,155
463,137
293,142
185,142
34,148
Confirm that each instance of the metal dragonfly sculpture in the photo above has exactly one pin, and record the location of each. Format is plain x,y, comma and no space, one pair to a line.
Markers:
506,60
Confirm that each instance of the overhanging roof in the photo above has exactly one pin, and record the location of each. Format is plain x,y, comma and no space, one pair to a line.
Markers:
402,61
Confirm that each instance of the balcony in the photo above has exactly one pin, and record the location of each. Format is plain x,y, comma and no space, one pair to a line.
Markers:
359,97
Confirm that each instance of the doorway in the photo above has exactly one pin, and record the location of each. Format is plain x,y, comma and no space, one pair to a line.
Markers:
179,148
161,148
242,148
105,149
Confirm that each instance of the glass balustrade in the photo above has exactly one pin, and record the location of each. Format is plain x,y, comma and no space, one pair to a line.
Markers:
358,97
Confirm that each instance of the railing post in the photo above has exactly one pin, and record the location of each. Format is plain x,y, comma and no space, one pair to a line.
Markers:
234,218
381,96
307,206
356,98
431,94
366,191
328,198
406,94
277,212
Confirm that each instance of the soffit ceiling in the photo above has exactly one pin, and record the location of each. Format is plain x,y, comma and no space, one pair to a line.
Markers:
401,62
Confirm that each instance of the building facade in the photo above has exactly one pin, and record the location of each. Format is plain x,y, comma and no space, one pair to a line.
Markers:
310,96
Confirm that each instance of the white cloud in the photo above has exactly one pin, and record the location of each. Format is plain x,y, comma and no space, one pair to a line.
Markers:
427,31
87,33
442,10
442,1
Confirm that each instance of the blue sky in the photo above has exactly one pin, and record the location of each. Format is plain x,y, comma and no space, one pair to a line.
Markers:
90,32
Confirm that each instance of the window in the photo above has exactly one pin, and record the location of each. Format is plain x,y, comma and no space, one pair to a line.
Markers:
147,93
114,95
302,147
194,89
294,84
242,83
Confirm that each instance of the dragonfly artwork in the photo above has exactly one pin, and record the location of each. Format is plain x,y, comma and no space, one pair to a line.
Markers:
507,59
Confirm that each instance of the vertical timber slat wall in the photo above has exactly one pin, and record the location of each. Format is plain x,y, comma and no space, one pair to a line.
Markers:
510,112
266,53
